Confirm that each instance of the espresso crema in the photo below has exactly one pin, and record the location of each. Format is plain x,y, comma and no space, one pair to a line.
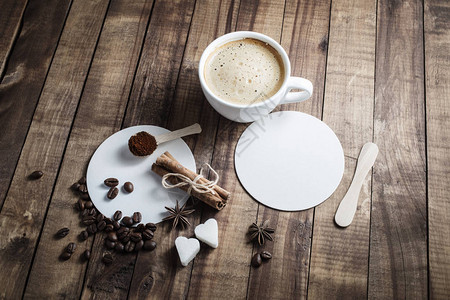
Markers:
244,71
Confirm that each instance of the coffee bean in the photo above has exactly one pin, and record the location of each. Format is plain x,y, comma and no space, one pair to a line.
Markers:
35,175
149,245
107,258
137,217
109,228
116,225
110,244
83,235
93,212
151,226
127,221
85,196
266,255
82,188
82,180
88,220
112,236
75,186
135,237
125,239
86,254
88,204
79,205
139,245
140,228
101,225
62,232
123,229
111,182
85,212
92,228
71,248
121,236
112,193
119,247
108,221
256,260
117,215
147,234
129,247
100,217
128,186
65,255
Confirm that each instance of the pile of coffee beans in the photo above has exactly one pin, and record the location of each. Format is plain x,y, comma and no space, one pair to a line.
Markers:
127,238
112,183
123,234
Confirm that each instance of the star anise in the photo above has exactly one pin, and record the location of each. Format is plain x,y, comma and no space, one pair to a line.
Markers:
261,233
179,215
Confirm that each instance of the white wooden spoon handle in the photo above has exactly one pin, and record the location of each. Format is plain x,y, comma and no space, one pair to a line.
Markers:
193,129
347,207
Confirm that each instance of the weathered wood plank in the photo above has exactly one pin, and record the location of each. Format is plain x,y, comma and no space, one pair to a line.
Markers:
23,79
437,72
398,241
224,271
25,206
10,19
100,113
339,256
151,95
159,275
304,36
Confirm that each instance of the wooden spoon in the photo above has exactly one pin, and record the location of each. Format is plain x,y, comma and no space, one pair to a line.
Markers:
347,207
143,143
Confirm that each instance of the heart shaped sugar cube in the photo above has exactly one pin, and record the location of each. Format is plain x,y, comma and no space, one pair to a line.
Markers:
208,233
187,249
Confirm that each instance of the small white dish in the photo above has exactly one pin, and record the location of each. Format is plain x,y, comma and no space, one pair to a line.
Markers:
113,159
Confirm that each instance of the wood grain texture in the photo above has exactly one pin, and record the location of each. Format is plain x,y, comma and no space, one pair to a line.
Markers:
23,79
99,114
225,270
159,274
10,21
398,241
339,257
304,36
74,72
27,200
437,80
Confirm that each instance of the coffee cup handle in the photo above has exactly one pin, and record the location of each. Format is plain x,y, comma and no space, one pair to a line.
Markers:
297,83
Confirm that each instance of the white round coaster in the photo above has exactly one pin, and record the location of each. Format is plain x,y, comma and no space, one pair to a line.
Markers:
289,161
113,159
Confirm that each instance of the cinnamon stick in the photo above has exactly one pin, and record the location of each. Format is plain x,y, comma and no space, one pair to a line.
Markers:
166,163
224,194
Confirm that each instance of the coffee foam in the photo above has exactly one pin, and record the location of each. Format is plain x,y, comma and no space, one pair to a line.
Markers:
245,71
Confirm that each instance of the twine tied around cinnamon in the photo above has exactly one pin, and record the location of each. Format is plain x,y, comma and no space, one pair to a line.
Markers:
176,175
201,188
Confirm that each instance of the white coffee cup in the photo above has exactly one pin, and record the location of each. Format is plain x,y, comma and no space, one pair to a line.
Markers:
255,111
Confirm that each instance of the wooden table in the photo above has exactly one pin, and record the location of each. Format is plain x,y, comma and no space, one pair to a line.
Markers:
74,72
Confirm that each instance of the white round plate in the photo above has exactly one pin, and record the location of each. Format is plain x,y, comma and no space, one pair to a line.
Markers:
113,159
289,161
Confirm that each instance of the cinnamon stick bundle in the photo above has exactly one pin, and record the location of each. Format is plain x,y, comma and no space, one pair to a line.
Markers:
166,163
